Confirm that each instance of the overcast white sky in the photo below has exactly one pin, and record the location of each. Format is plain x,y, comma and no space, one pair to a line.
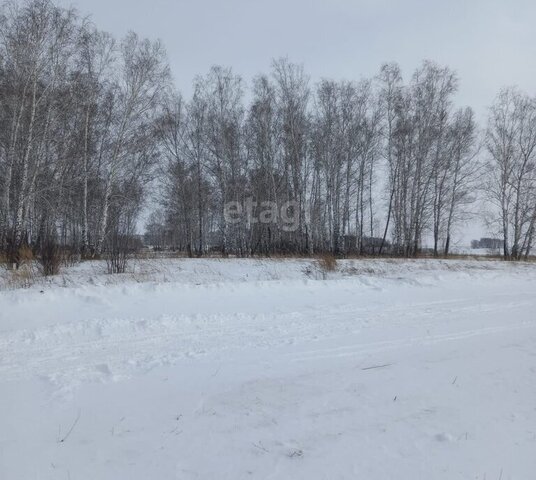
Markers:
491,43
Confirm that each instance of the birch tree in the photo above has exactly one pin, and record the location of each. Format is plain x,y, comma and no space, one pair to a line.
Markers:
511,145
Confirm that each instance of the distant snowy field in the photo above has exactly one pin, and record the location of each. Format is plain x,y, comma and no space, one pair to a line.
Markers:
271,369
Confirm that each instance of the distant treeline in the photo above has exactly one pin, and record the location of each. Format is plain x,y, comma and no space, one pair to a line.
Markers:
91,127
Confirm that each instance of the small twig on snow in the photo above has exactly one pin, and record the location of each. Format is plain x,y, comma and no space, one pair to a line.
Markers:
260,447
377,366
72,428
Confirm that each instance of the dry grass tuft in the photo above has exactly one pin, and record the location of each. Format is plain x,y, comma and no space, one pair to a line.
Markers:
23,277
327,263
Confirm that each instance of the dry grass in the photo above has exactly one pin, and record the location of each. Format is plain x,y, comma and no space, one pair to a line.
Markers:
23,277
327,263
25,255
323,265
20,269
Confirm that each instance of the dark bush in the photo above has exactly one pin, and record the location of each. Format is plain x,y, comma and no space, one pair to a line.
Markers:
50,258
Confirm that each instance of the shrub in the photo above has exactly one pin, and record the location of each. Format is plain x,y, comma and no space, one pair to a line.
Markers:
50,258
117,250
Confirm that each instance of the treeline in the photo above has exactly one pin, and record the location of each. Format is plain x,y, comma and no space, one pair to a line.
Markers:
77,136
367,167
90,127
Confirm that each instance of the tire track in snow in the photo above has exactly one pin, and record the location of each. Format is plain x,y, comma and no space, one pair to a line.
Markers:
395,344
126,346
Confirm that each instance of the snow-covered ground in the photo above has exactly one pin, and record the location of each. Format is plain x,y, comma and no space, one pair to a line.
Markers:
250,369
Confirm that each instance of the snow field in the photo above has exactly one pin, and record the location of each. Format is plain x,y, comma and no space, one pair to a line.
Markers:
271,369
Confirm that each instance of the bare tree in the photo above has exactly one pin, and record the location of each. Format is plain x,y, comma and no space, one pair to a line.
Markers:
292,103
511,144
222,93
464,170
143,77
